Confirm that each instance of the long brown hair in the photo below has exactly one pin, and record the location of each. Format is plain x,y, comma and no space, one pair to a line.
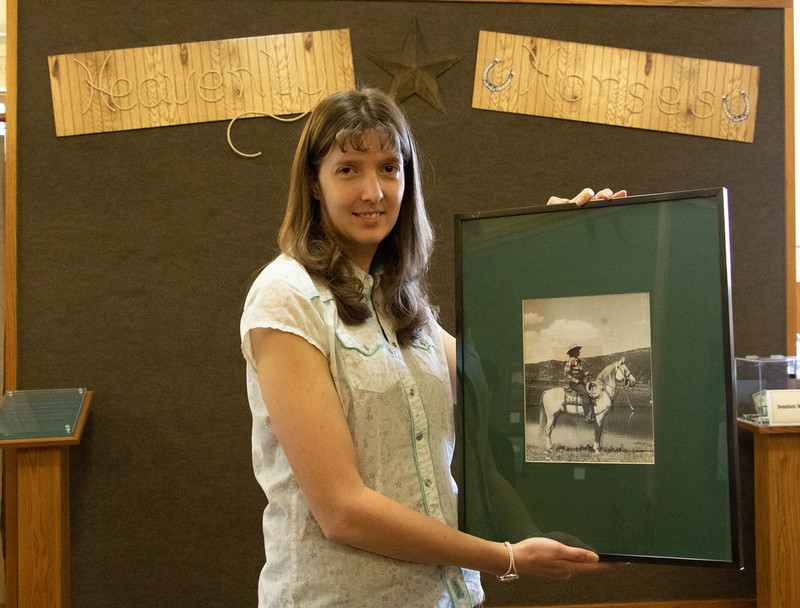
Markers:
344,120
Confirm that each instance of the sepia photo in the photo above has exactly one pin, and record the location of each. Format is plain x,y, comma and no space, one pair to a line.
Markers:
588,381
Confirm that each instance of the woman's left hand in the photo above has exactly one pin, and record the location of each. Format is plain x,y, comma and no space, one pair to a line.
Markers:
586,195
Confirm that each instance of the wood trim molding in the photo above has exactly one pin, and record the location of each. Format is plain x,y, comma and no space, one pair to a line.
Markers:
10,477
731,603
791,214
10,254
668,3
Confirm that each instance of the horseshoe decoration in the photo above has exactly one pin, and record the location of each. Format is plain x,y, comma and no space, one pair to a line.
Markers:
736,117
494,88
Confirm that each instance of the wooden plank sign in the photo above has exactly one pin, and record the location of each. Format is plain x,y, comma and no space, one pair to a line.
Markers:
195,82
551,78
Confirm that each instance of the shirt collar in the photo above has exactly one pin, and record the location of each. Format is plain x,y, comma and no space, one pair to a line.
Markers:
369,281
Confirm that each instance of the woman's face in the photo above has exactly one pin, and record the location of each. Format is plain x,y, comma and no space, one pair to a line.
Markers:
360,195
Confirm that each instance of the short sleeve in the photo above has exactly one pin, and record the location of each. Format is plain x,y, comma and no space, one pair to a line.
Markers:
287,302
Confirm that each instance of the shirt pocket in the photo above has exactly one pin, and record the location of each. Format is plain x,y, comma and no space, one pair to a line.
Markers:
429,363
367,360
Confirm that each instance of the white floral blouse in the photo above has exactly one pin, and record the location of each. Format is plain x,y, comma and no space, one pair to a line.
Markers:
398,405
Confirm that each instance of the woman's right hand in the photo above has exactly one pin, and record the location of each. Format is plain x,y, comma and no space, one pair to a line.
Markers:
552,559
586,195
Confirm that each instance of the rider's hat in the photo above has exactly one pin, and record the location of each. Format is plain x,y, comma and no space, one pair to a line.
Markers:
574,350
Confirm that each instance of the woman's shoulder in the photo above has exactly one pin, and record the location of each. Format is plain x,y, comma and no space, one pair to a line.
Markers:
286,273
284,297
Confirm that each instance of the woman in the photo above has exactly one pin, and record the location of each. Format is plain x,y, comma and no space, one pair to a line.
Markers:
350,382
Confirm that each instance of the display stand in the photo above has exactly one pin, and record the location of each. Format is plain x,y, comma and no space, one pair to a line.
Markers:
36,430
777,508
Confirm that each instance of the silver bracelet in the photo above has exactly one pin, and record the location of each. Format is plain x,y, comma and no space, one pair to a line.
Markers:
511,573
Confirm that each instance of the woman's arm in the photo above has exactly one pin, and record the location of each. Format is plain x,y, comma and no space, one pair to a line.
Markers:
308,420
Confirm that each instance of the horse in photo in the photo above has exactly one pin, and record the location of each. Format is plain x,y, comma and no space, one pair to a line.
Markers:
613,377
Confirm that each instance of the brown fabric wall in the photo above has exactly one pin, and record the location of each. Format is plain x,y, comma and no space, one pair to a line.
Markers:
136,249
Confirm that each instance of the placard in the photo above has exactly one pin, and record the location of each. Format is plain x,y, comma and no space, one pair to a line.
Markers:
781,407
33,415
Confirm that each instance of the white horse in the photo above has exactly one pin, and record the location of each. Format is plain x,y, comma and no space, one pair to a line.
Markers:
554,403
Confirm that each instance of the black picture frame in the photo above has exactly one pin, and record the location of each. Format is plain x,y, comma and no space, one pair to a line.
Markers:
667,495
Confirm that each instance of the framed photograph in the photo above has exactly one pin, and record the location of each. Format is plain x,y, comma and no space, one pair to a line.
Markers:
595,377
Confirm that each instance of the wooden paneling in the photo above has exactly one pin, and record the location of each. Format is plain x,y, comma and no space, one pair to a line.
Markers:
777,493
43,529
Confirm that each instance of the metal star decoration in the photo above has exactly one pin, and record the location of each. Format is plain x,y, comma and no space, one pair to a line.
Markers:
415,69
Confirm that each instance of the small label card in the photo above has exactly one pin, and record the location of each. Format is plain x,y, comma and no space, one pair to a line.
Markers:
782,406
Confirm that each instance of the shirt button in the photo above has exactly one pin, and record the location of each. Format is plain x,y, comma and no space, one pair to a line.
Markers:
420,436
428,483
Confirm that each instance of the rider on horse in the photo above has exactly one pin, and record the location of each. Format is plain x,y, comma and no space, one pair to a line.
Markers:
580,382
